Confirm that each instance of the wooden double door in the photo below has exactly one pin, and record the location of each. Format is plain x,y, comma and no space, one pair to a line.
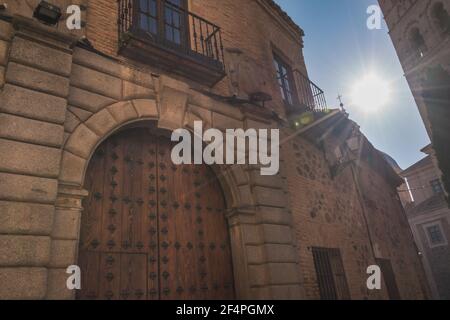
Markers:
152,230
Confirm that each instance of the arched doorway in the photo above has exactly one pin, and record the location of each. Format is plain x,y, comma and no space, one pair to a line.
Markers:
150,229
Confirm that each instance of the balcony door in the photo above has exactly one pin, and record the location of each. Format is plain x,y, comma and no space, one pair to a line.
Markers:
164,21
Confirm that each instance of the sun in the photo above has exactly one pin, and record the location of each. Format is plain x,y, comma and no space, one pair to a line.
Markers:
371,93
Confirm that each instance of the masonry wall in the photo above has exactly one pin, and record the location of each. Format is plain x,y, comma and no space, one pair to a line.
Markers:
328,213
58,102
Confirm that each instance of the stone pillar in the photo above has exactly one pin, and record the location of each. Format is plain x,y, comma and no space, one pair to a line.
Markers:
32,113
65,237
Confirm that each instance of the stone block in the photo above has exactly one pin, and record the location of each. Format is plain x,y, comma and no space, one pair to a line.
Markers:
81,114
66,224
4,47
2,76
96,82
38,80
101,123
63,253
265,181
172,108
29,189
269,197
23,283
30,159
57,285
32,104
20,250
277,234
26,218
275,216
223,122
40,56
146,108
71,122
72,168
89,101
283,273
123,112
5,30
135,91
82,142
32,131
251,234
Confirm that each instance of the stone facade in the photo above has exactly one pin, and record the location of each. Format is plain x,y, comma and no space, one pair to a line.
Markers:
60,100
426,207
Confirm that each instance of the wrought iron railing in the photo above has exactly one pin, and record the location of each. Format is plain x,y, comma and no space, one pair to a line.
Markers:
197,37
310,96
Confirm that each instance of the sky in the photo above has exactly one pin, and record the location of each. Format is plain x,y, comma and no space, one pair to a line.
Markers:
340,51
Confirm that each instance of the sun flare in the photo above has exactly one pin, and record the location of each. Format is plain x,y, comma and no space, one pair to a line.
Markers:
371,93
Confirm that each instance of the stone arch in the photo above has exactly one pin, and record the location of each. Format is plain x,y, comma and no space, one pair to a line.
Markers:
81,144
87,136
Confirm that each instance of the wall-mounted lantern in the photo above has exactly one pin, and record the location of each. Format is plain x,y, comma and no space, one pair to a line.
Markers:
47,13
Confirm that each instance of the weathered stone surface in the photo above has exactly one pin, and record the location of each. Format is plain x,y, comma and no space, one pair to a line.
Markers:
57,287
66,224
71,122
81,114
40,56
32,104
101,123
283,273
23,283
123,111
274,253
3,52
88,100
25,158
275,215
72,168
223,122
134,91
37,79
5,30
202,113
172,108
265,181
97,82
146,108
82,141
277,234
252,234
111,67
287,292
2,76
24,188
32,131
63,253
25,218
269,197
19,250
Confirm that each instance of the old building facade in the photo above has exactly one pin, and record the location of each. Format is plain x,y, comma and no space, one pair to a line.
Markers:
429,218
420,31
86,177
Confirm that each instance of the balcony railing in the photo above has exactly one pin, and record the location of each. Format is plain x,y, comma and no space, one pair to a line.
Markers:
310,96
167,35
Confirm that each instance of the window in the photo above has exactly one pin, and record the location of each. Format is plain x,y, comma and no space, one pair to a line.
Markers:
435,234
440,16
389,278
437,186
171,27
285,81
330,273
417,43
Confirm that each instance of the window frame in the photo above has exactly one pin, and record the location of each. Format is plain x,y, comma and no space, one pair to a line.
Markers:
436,183
280,63
161,23
437,224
